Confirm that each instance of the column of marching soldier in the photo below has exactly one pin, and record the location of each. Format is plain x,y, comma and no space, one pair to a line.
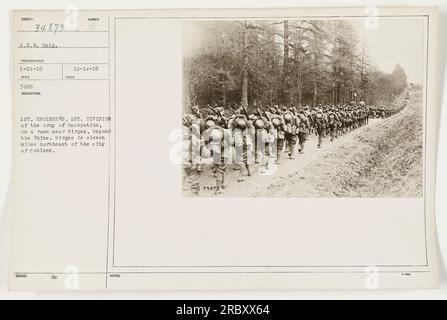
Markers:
218,137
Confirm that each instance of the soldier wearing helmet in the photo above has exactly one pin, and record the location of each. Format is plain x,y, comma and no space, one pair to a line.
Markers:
279,135
343,120
339,129
263,138
243,135
320,126
310,118
219,141
291,132
303,130
332,124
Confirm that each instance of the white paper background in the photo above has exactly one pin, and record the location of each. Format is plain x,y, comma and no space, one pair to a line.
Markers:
5,144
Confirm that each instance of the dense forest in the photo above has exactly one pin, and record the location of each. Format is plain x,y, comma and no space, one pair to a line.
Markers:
285,62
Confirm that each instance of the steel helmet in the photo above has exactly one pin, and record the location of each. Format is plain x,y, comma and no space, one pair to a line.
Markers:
191,118
210,123
240,123
276,122
259,124
288,117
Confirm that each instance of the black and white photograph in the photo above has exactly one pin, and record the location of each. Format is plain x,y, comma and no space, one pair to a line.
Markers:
250,151
316,108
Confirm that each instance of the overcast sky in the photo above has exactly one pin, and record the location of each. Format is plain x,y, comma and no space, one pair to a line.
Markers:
397,40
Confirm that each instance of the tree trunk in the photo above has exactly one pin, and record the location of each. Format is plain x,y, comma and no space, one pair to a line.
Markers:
334,97
337,101
285,74
300,94
223,87
224,96
244,99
